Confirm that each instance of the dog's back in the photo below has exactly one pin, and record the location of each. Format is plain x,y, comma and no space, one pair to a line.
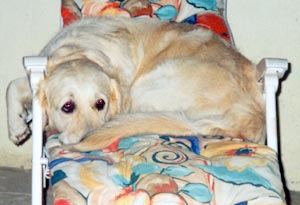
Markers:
165,67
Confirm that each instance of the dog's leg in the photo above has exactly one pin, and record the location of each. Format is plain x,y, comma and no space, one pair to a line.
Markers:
18,99
175,124
238,122
135,123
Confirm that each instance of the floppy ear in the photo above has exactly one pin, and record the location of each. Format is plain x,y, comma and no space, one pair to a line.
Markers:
64,55
99,58
42,98
115,98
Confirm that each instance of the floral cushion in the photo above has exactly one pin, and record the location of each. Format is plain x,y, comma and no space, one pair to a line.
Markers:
208,14
153,170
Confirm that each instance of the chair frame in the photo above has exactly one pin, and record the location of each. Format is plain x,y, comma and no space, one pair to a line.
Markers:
35,67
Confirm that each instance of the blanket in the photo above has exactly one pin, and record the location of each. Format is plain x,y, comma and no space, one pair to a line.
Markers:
169,170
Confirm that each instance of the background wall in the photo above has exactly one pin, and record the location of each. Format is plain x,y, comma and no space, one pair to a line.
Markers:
272,29
261,29
25,27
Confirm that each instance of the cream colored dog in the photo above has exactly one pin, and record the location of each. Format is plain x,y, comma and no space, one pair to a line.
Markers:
122,77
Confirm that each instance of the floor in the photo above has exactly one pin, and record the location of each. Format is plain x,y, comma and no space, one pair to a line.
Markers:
15,188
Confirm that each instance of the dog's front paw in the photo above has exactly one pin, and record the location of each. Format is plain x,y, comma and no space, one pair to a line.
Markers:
18,100
19,123
19,131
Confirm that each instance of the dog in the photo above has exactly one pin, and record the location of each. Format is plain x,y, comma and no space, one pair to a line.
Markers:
115,77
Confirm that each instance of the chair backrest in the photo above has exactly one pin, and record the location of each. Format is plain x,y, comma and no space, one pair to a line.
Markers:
209,14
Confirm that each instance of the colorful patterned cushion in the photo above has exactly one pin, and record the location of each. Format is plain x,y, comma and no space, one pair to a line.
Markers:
209,14
153,170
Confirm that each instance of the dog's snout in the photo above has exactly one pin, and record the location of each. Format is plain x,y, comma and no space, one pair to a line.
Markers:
91,117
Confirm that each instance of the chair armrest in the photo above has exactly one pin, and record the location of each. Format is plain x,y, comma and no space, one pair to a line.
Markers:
274,69
35,68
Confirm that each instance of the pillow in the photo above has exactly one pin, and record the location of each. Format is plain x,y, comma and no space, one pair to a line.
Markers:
209,14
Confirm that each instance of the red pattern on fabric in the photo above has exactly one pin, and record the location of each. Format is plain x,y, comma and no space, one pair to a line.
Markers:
61,202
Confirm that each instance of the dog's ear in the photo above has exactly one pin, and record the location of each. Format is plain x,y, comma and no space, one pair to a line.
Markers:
97,57
42,98
115,98
64,55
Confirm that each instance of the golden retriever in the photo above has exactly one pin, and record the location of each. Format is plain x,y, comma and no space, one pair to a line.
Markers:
121,77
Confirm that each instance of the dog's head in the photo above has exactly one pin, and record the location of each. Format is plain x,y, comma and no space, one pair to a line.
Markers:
78,97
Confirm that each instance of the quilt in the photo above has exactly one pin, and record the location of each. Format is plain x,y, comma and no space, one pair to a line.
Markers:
166,170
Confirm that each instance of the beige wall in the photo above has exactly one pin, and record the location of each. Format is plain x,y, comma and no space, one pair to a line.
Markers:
272,29
25,27
261,29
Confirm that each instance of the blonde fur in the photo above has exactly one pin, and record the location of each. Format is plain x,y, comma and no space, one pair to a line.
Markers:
167,79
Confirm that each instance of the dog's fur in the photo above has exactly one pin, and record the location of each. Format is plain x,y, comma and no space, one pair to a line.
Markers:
155,77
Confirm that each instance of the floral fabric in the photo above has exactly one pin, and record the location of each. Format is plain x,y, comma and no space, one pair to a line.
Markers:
154,170
151,169
208,14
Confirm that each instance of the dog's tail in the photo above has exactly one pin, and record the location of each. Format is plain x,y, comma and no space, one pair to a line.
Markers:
130,124
237,123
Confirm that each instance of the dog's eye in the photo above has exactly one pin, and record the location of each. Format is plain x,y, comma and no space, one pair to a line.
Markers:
100,103
68,107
